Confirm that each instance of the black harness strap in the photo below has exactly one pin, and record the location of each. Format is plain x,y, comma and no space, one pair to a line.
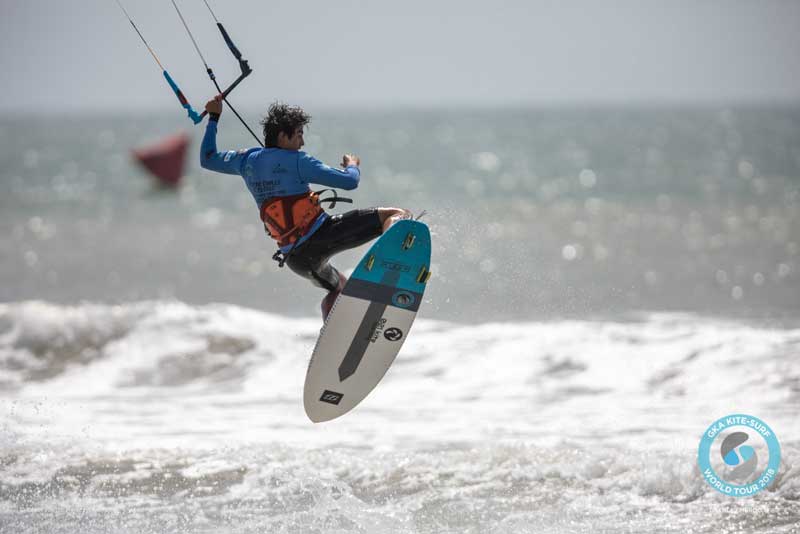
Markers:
334,199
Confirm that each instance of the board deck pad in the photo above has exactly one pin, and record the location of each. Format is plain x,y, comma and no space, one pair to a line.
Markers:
369,321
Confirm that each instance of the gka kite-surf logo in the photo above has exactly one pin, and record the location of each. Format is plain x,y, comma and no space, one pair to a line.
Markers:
739,455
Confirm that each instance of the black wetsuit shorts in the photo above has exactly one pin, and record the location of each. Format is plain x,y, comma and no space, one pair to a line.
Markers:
339,232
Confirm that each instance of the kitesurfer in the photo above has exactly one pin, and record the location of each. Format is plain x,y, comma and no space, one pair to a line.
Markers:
278,177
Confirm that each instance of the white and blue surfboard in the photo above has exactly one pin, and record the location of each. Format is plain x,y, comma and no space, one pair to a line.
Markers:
369,321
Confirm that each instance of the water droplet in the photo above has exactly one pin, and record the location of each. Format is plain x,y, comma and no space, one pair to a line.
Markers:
588,178
746,170
486,161
737,293
31,258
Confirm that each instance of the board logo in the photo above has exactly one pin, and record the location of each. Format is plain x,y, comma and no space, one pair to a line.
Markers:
393,334
739,455
395,266
331,397
375,331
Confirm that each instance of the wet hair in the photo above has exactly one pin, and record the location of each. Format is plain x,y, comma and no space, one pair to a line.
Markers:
282,118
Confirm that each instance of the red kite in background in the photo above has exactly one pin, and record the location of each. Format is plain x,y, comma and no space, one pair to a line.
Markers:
165,159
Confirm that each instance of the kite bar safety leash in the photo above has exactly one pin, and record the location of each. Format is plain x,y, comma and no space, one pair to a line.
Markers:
196,118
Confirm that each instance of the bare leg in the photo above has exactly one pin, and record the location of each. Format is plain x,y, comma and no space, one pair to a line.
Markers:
330,298
389,216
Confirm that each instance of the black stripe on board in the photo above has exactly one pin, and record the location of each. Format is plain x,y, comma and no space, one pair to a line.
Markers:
367,327
383,293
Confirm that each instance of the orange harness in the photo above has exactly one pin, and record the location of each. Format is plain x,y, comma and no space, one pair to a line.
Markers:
287,219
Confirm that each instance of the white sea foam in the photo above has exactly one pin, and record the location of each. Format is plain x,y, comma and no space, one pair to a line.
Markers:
156,416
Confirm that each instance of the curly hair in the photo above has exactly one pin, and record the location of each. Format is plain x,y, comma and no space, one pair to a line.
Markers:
282,118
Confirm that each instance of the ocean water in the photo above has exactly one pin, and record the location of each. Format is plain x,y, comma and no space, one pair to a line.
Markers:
606,283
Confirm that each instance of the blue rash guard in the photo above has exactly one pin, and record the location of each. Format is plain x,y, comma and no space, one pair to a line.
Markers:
275,172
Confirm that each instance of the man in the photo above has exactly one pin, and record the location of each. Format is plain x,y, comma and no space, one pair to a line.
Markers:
278,176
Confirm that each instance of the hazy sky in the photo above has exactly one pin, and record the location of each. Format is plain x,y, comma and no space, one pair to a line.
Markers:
83,55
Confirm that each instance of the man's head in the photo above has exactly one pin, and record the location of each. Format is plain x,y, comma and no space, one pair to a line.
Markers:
283,126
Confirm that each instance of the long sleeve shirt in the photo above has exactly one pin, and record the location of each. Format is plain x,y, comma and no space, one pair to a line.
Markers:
275,172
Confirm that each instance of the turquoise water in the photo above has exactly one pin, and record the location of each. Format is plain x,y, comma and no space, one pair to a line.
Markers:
534,213
606,283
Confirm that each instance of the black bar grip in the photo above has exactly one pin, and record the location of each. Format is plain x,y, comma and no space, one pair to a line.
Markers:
236,53
230,88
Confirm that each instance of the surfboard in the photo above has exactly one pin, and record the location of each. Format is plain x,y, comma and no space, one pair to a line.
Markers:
369,322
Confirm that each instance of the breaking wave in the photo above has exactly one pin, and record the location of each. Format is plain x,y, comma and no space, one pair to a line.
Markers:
156,416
